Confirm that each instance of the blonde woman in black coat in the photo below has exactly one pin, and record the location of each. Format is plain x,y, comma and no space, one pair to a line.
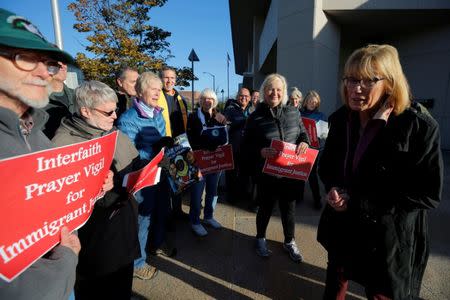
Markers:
382,169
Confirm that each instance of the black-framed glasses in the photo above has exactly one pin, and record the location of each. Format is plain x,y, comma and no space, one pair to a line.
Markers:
352,82
106,113
29,61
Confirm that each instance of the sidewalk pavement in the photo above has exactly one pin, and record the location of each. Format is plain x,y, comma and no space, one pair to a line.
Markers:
224,265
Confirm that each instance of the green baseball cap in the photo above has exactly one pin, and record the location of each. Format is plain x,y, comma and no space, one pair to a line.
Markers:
18,32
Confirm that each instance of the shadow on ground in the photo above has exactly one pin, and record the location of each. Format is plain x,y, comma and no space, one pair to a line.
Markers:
224,266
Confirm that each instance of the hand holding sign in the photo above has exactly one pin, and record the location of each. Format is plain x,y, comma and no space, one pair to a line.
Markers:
301,148
70,240
109,183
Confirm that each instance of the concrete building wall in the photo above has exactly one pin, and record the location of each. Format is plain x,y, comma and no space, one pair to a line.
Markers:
425,57
308,49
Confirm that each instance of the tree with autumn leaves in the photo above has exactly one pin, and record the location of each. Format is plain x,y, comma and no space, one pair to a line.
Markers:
120,33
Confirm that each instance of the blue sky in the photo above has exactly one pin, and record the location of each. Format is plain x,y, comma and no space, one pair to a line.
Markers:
202,25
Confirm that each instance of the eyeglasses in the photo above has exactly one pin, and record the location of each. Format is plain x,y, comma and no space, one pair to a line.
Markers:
352,82
30,61
106,113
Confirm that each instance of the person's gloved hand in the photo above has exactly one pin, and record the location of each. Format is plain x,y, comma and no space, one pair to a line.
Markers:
166,141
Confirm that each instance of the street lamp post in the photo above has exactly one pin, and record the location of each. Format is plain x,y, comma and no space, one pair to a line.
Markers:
214,80
193,57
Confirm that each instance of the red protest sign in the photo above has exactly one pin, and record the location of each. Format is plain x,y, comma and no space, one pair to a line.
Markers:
147,176
214,161
311,129
45,190
288,164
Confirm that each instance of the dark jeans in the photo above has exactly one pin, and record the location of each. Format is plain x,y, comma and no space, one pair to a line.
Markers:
116,285
271,189
176,205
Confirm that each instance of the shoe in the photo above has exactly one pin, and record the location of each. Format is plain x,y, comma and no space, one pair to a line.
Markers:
212,223
146,272
294,253
261,248
164,250
199,230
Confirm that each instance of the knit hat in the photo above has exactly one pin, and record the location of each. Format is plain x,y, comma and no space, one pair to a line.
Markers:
18,32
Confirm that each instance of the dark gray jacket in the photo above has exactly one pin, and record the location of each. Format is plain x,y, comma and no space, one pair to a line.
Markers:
52,277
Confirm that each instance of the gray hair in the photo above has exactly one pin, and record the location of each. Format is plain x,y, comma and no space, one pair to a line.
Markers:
144,80
208,93
268,80
120,74
92,93
167,68
295,93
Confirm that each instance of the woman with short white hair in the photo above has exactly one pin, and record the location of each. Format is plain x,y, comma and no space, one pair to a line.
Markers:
200,127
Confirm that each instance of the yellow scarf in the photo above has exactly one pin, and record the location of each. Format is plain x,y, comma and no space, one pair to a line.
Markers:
162,102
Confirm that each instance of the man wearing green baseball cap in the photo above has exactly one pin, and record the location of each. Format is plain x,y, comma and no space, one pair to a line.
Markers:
27,62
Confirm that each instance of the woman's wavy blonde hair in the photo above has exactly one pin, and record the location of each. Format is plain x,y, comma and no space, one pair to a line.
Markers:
380,61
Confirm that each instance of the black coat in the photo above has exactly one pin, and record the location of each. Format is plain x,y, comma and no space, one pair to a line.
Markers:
237,117
263,125
382,238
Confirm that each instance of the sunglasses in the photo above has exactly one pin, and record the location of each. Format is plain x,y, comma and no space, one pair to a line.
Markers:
106,113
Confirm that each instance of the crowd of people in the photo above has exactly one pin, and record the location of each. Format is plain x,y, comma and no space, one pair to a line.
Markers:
381,150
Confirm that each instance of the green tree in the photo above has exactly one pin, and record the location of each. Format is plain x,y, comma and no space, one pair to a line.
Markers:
119,33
